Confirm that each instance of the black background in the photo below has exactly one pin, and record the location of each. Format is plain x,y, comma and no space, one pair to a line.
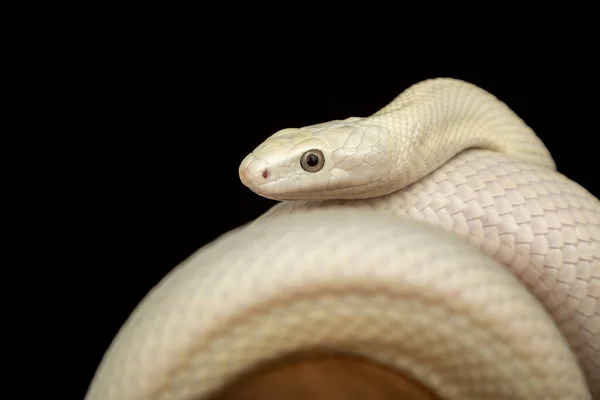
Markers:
165,127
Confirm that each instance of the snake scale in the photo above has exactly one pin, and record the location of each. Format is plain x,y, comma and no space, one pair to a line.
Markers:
434,236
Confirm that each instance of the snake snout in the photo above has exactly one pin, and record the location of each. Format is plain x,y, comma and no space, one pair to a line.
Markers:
244,176
253,172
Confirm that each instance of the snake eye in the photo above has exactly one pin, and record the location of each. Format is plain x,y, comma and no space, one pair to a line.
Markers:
312,161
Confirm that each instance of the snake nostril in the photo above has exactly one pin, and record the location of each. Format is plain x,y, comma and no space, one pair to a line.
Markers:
265,174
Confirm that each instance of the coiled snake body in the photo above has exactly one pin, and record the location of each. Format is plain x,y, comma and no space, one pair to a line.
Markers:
434,236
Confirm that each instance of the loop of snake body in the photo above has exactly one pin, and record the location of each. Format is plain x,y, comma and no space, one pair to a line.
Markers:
434,236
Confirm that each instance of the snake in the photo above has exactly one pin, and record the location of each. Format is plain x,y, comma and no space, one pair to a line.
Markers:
435,236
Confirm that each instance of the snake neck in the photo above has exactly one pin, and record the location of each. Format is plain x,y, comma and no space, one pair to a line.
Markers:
435,120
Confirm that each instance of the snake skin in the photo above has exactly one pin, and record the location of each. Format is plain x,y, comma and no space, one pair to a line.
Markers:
539,224
481,278
239,302
221,312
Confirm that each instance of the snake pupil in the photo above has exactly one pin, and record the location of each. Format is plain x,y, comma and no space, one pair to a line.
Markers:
312,160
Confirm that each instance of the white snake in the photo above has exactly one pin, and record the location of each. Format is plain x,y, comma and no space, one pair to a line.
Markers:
434,199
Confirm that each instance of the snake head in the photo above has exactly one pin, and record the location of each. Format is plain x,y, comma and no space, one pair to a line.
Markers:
335,160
